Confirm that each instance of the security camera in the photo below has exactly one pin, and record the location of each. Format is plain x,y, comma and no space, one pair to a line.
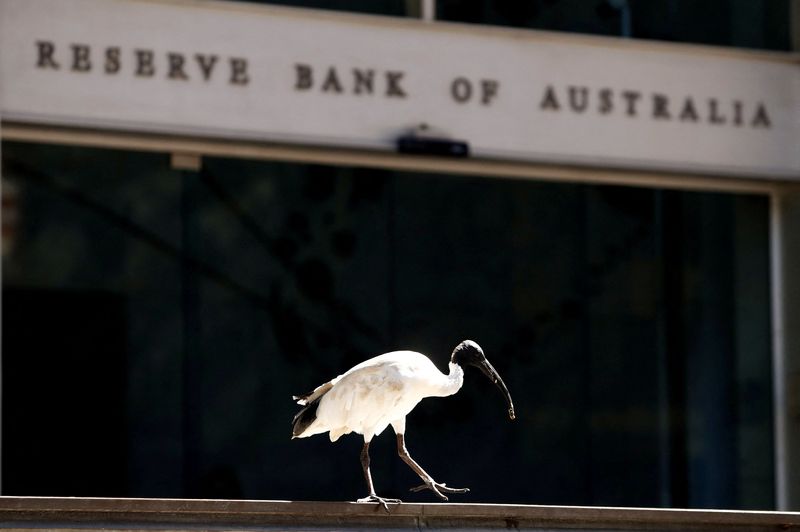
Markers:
422,141
442,147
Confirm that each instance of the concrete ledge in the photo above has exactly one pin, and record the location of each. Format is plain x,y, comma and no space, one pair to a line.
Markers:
178,514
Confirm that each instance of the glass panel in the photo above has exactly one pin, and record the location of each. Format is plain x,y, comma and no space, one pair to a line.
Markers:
167,317
763,24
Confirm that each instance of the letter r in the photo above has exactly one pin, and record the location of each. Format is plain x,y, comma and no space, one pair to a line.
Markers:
46,49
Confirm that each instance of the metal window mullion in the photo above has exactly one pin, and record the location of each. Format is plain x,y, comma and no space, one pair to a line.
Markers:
776,241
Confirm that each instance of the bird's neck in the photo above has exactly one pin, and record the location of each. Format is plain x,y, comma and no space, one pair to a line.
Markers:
453,381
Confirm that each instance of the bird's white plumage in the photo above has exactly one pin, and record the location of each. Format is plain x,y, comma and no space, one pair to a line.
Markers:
379,392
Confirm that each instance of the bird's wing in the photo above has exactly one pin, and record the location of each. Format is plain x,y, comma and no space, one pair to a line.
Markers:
319,391
369,396
367,384
322,389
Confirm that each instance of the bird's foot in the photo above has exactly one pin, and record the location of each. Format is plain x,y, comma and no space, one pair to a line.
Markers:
380,500
439,489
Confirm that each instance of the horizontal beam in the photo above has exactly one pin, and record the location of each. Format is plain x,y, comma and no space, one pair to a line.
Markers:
177,514
202,147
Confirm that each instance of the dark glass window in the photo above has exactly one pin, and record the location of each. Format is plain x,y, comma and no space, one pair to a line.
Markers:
156,323
763,24
758,24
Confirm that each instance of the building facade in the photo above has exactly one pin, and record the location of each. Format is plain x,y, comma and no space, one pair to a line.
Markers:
210,206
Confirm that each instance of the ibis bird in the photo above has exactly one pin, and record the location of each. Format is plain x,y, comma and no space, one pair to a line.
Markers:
382,391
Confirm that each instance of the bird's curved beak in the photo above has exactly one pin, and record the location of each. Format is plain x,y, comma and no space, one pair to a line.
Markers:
490,372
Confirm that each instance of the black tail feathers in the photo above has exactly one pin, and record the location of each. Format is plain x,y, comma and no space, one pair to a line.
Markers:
305,417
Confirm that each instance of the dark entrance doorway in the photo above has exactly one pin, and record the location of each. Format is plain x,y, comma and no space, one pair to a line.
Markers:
63,393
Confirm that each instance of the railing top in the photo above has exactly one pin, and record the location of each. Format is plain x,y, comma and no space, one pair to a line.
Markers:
55,513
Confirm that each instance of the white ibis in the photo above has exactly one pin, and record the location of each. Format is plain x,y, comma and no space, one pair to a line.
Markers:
380,392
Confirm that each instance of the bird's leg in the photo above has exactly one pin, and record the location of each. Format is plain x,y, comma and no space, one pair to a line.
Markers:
372,497
429,482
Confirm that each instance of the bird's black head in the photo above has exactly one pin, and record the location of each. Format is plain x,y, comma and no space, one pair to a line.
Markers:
468,353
